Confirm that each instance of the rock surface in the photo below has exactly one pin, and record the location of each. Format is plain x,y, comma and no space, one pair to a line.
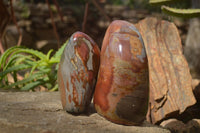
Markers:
42,112
170,84
176,126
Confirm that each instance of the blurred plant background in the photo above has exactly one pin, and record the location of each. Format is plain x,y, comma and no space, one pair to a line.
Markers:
38,26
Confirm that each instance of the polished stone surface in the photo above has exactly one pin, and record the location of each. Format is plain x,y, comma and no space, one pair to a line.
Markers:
121,93
77,72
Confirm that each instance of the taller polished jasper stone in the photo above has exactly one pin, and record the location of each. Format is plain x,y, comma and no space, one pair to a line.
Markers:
77,73
121,93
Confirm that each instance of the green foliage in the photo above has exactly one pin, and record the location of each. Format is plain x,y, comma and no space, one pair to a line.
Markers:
23,9
174,11
160,1
184,13
34,68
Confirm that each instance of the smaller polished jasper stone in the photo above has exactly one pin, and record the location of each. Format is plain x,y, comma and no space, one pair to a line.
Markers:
121,93
77,72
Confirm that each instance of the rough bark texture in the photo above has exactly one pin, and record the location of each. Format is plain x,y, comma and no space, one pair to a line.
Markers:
170,79
32,112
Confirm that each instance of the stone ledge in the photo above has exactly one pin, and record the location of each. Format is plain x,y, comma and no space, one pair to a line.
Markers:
42,112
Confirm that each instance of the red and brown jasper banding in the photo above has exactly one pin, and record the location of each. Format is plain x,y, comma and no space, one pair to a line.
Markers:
77,72
121,93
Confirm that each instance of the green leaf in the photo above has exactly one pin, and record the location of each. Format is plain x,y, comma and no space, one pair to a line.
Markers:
19,58
33,68
48,54
60,51
15,76
55,88
35,76
16,50
184,13
44,69
14,68
11,60
57,56
32,85
36,53
57,66
160,2
30,62
23,59
6,54
54,60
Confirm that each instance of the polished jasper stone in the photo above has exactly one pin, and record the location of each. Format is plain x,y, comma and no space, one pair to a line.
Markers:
121,93
77,72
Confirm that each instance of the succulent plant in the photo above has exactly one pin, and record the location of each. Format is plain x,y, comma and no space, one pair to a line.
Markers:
183,13
26,69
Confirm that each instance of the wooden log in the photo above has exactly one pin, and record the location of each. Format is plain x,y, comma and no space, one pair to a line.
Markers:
169,75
